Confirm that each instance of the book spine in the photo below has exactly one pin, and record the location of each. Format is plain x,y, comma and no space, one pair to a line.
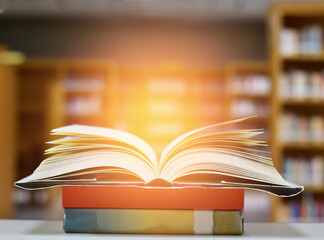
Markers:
145,221
152,198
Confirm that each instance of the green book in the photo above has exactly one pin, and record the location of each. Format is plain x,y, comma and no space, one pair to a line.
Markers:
147,221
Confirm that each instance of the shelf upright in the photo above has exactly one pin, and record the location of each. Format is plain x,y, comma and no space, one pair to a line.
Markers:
295,17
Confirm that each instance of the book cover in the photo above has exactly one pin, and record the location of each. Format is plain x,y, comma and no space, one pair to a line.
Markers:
144,221
152,197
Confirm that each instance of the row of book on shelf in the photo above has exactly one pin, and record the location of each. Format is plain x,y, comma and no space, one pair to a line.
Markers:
91,105
304,170
250,84
302,128
169,107
160,103
243,107
176,86
310,208
84,105
173,86
307,40
157,85
301,84
182,86
91,83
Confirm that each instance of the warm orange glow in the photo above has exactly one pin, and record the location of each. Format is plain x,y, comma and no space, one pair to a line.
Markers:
160,104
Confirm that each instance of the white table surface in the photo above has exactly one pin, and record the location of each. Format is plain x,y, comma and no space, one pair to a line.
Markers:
36,229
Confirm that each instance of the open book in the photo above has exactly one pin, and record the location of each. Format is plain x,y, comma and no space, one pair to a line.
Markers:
214,156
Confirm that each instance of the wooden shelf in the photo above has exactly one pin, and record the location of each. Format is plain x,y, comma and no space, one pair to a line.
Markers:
8,139
248,67
31,109
304,145
314,189
305,58
84,93
302,102
244,69
262,119
250,96
294,16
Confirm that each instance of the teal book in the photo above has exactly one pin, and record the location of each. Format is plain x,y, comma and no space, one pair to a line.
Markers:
148,221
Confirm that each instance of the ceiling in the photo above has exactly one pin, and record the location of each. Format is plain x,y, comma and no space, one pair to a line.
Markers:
185,9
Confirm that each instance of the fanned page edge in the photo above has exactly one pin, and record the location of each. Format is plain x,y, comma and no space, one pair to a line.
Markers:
177,140
126,137
279,191
270,189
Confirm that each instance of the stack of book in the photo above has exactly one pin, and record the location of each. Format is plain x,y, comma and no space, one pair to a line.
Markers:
124,209
113,181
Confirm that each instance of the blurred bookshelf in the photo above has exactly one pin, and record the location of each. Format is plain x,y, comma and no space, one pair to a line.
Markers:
158,104
53,93
7,130
248,92
297,65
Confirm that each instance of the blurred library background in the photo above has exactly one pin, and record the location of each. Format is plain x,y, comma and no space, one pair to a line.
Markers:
159,68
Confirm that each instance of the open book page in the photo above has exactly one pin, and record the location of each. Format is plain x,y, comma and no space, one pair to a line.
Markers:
214,156
71,145
87,148
229,153
193,134
124,137
93,159
102,176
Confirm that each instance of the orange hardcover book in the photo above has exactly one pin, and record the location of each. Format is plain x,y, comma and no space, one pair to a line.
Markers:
132,197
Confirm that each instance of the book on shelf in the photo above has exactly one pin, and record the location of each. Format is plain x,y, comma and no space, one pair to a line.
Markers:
213,156
251,84
297,127
302,85
309,208
91,84
305,170
307,40
242,107
167,85
133,197
84,105
139,221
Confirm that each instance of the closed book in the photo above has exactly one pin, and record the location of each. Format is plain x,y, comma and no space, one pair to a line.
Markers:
146,221
126,197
